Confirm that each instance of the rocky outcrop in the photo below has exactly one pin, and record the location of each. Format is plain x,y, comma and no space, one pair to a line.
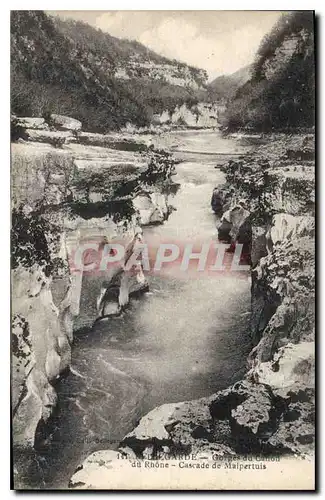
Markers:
65,197
58,130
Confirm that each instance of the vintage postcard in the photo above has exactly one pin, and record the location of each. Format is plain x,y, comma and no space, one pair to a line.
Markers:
162,250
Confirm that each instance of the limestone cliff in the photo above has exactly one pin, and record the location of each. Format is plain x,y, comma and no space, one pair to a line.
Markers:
170,72
201,115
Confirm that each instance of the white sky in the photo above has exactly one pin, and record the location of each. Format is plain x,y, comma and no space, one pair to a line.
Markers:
219,41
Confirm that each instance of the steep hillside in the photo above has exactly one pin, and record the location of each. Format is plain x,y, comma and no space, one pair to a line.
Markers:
280,93
224,87
126,60
71,68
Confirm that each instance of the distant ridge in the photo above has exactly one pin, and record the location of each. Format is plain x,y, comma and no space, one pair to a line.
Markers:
225,87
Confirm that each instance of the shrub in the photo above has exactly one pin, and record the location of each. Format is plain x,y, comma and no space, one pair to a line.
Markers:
161,166
29,245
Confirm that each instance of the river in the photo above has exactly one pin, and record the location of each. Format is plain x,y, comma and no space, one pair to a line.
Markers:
184,339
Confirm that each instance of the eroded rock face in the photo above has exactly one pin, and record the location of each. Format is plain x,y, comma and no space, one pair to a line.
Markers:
41,350
287,311
292,368
126,280
283,285
285,227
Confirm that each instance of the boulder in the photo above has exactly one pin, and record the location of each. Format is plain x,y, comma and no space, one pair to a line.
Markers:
65,122
217,201
152,208
231,222
33,123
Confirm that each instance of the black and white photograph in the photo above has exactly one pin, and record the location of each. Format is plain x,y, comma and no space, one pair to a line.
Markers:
162,250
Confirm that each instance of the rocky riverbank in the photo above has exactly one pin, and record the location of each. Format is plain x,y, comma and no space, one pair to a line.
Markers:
68,188
268,204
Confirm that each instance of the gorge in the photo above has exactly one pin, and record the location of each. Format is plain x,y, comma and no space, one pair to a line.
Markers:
132,353
270,411
134,362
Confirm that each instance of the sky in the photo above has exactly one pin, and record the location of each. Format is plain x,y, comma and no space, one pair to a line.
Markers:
220,42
